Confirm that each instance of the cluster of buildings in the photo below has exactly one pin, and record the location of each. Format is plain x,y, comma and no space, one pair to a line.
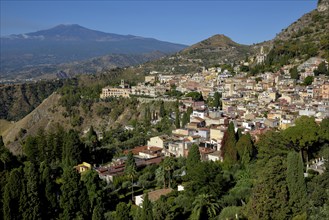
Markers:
254,104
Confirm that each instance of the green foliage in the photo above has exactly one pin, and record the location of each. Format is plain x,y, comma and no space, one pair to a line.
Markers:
94,186
73,198
269,199
73,149
168,165
205,207
147,117
147,213
185,119
193,158
303,135
308,80
98,212
229,148
173,92
130,171
207,178
122,211
230,213
296,183
177,118
245,149
196,96
12,201
244,68
217,100
322,69
7,159
19,100
33,207
294,73
162,110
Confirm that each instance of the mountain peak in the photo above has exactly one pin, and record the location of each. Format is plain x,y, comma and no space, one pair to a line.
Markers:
215,41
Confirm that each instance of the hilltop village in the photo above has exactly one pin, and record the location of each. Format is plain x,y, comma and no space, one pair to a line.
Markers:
253,104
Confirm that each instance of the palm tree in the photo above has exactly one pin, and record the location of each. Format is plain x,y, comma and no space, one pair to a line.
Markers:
160,176
205,207
131,173
168,165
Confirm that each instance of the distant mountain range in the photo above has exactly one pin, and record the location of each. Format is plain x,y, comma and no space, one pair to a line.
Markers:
67,43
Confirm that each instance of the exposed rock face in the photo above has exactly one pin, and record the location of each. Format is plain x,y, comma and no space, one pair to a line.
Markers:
323,5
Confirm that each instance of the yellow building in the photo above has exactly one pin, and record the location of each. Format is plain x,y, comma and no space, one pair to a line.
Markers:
83,167
122,91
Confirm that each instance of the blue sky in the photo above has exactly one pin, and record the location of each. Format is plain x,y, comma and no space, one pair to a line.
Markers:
183,21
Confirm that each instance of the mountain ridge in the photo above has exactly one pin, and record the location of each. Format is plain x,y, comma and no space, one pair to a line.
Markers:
68,43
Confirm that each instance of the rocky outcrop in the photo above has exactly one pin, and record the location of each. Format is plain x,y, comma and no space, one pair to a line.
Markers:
323,5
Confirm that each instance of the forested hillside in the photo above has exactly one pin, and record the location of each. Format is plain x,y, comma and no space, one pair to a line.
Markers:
259,180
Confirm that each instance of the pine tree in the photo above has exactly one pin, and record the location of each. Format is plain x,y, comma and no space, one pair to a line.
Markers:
296,183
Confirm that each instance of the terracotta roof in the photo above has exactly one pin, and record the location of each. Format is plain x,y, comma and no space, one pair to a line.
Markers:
136,150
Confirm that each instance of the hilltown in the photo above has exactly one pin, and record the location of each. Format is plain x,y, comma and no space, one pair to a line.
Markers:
254,104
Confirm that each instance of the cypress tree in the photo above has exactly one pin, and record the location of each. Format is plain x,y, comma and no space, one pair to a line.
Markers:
193,157
162,109
73,150
33,206
296,183
70,189
216,100
12,194
245,149
1,142
185,120
98,212
122,212
177,119
229,142
49,190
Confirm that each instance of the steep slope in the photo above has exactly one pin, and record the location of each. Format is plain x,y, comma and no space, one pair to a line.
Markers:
17,101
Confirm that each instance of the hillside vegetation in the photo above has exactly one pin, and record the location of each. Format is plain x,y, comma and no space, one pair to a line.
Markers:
18,100
305,38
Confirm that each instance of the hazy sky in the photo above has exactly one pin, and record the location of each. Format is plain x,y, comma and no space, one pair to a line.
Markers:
183,21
